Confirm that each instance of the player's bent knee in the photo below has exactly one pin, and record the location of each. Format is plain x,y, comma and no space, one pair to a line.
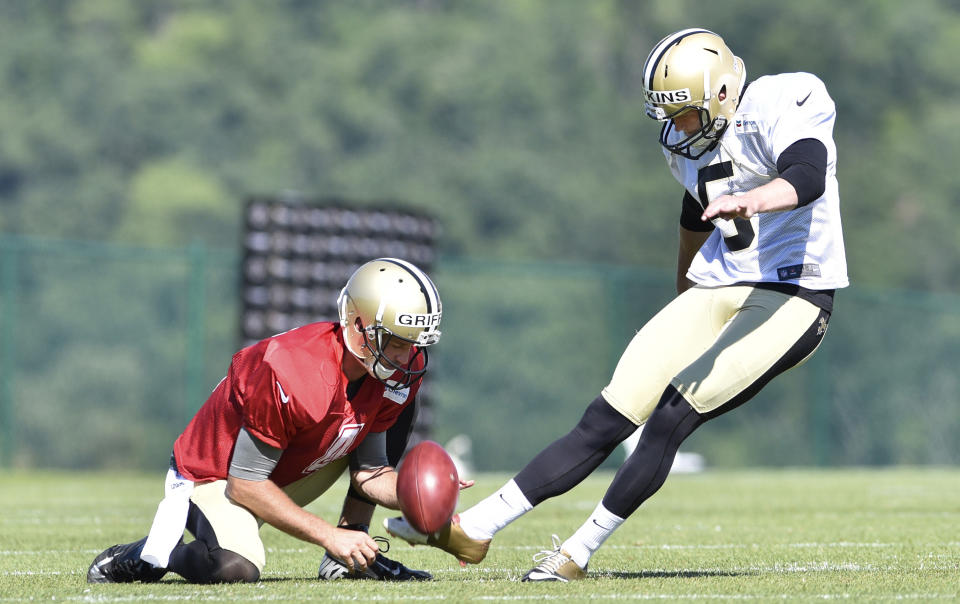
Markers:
230,567
672,411
602,427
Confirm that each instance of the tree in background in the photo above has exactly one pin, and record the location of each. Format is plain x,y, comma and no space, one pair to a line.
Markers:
518,124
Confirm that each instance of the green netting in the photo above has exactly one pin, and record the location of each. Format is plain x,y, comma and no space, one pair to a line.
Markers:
106,351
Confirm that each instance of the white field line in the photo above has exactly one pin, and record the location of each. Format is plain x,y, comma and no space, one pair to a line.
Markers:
667,546
663,546
924,597
43,516
208,597
810,567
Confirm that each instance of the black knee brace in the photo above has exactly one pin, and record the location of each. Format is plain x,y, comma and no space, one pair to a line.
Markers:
647,468
571,458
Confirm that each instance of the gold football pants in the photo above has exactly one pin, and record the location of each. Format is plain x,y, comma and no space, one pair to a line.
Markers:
714,345
238,530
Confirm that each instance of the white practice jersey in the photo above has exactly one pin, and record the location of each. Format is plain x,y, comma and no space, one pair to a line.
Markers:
803,246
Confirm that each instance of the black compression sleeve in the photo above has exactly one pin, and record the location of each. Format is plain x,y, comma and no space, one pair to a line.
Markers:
804,165
571,458
647,468
252,458
398,435
370,453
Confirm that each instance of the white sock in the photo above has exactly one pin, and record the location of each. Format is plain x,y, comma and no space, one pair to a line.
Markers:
591,535
495,512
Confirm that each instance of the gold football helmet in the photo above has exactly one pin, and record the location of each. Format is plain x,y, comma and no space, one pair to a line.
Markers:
390,298
692,70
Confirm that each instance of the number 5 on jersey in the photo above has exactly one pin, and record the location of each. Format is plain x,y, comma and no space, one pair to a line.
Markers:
739,234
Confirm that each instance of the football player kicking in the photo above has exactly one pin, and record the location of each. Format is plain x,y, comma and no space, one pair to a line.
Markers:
760,256
294,411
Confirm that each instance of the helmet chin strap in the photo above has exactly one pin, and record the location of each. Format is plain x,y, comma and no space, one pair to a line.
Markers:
374,366
371,362
380,371
381,367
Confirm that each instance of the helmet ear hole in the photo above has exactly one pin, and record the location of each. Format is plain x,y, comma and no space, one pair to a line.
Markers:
722,95
358,325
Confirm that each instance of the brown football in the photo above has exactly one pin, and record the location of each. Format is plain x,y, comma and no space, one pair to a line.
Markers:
428,487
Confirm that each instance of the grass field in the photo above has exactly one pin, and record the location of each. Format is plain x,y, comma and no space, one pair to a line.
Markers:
778,535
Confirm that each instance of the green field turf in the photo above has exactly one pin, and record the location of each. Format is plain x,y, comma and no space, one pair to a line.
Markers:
758,536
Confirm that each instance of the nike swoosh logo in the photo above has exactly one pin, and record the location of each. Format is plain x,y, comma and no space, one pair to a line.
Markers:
606,528
804,99
283,395
101,564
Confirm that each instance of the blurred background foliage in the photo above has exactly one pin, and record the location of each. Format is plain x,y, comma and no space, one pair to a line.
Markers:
131,134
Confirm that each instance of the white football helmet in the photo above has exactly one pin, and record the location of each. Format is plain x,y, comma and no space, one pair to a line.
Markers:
692,70
390,298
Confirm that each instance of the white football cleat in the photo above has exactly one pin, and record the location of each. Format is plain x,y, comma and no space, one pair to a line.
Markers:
399,527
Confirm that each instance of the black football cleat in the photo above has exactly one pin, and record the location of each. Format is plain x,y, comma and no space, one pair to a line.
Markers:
382,569
122,564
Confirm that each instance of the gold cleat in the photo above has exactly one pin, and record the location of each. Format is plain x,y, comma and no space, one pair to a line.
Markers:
450,539
554,565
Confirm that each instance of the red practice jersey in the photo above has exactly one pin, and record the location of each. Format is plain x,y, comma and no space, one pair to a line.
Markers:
290,392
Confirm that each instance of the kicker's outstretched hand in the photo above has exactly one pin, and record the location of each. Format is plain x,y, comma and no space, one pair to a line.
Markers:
728,207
